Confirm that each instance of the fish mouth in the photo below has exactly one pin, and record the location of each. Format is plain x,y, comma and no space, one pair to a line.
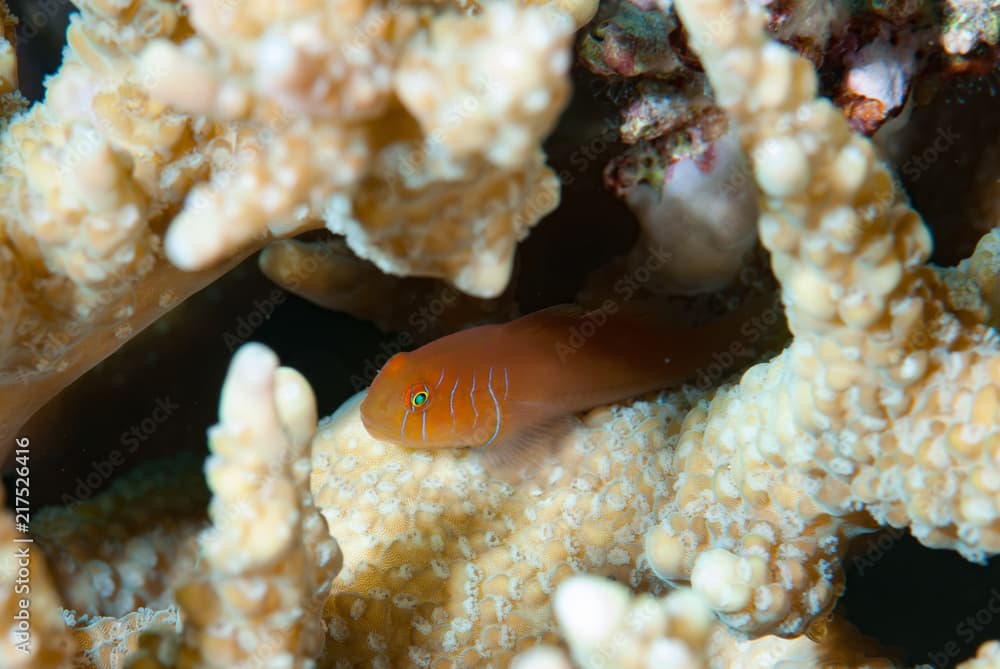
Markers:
362,403
371,426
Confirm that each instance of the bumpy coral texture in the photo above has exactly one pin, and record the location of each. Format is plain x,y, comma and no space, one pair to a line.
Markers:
887,400
186,136
495,100
605,625
449,563
414,136
129,547
91,177
8,57
255,594
268,559
108,643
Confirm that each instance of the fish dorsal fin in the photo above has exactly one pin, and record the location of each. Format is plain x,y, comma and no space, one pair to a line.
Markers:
543,318
640,309
527,449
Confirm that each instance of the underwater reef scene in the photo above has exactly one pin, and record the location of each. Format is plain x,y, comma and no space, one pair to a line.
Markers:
767,434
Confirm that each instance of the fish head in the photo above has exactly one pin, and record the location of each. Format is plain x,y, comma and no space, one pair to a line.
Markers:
404,406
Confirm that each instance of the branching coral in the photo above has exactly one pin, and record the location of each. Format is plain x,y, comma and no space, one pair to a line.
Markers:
886,400
491,88
90,179
234,122
268,558
603,624
264,565
354,137
130,547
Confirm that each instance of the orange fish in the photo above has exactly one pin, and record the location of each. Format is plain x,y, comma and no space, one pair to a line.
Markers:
512,385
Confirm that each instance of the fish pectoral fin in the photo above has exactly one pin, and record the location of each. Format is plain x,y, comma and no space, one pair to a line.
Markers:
526,450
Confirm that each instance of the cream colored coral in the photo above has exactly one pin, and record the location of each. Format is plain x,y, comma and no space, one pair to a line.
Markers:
267,190
328,274
33,635
349,129
605,625
90,179
450,563
129,547
838,645
316,58
582,11
234,122
8,54
491,84
110,643
256,594
982,269
268,558
886,402
465,229
987,657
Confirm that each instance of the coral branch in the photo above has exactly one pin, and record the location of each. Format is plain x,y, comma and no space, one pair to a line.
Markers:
196,132
268,557
887,399
90,179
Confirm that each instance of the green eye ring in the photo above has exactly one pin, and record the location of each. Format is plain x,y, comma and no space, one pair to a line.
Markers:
419,398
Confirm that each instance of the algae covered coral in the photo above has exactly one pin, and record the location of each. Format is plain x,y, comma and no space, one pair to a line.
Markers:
178,138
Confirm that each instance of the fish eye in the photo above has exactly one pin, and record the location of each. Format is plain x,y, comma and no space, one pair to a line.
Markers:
419,398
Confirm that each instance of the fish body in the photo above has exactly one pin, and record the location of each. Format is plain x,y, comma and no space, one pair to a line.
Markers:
498,386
